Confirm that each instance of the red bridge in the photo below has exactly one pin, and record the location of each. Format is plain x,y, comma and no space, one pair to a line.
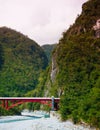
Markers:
10,102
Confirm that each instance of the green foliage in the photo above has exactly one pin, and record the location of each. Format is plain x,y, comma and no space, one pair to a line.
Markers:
90,13
1,56
39,90
84,23
12,111
30,106
46,108
78,62
79,77
22,61
48,49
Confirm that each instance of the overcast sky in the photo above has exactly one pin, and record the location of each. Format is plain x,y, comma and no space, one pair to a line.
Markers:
41,20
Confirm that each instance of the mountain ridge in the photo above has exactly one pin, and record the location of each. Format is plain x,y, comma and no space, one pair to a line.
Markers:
22,60
77,64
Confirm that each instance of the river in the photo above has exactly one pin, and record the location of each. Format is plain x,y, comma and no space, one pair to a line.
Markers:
37,123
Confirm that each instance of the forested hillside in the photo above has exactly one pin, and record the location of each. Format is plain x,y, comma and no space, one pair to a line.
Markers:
74,74
21,62
76,63
48,49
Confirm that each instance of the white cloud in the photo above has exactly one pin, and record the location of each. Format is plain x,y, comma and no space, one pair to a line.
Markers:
42,20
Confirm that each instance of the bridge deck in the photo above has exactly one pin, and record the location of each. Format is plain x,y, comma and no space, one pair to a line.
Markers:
28,99
10,102
43,98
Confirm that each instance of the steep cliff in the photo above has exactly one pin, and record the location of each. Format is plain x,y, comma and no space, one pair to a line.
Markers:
48,49
77,61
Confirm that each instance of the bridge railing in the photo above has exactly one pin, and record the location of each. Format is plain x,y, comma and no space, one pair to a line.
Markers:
15,101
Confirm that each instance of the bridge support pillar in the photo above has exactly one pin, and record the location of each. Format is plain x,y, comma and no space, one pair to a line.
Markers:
53,103
5,104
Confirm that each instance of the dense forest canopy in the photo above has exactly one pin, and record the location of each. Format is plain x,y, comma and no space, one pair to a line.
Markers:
48,49
77,59
21,61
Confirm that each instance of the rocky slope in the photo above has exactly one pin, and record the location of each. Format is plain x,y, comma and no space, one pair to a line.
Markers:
76,60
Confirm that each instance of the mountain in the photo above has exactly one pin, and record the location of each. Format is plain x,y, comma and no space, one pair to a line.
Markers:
74,74
75,71
48,48
84,23
21,62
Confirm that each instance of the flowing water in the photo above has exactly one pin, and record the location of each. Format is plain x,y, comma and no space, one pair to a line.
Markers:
39,122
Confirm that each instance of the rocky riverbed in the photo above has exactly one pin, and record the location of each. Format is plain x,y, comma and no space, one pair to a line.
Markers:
32,123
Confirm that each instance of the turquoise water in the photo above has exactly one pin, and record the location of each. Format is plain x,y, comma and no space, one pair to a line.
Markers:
34,123
9,120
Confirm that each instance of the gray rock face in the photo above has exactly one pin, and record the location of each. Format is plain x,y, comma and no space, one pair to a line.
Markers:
97,28
54,69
